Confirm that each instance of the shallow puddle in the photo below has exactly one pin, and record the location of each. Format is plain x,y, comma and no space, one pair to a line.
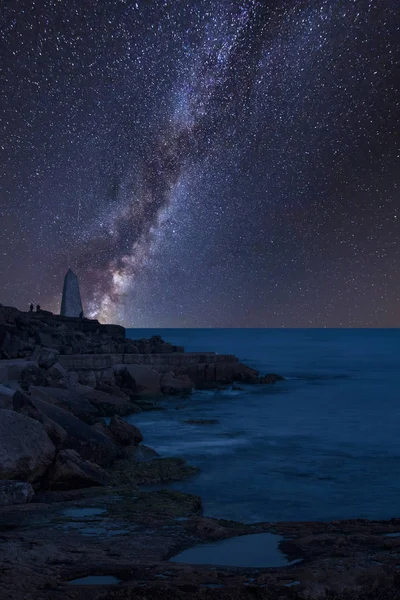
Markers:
95,580
256,550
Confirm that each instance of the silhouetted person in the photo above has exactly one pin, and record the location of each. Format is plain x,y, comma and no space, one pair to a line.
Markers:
31,307
38,308
81,314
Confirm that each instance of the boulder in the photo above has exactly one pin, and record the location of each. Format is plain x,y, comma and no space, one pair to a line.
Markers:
68,400
209,375
15,492
10,346
45,357
24,405
176,385
108,404
25,448
87,378
6,396
32,375
91,444
11,370
146,380
142,453
57,372
124,433
271,378
71,471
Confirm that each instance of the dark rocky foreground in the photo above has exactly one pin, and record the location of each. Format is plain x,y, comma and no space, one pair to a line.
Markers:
72,503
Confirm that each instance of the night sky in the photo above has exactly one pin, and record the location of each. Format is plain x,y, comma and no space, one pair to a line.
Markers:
222,163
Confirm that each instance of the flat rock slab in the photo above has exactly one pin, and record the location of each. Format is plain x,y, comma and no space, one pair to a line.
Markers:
135,534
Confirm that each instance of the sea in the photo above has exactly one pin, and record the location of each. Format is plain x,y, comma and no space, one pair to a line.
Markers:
322,445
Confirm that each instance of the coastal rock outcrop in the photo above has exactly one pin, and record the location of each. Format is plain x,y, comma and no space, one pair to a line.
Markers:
26,451
92,445
71,471
15,492
68,400
180,385
271,378
147,381
124,433
25,406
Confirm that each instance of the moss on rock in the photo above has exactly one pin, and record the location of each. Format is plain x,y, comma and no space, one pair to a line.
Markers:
161,503
157,470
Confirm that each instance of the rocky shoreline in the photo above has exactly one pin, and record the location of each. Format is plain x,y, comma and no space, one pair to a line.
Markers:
71,501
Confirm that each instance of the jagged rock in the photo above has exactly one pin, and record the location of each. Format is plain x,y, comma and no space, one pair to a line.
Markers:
163,348
24,405
15,492
71,471
46,357
124,433
101,427
6,397
208,374
57,372
271,378
113,390
25,448
10,346
142,453
107,404
68,400
146,380
87,378
107,377
42,338
32,375
176,385
91,444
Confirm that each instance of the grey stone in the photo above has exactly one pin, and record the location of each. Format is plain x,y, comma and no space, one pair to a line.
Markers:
32,375
15,492
6,397
181,385
68,400
147,380
25,448
57,371
124,433
91,444
71,471
87,378
46,357
26,406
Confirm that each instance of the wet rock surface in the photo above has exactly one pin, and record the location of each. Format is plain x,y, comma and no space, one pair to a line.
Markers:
131,535
92,531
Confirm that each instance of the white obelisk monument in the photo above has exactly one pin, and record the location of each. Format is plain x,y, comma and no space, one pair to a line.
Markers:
71,303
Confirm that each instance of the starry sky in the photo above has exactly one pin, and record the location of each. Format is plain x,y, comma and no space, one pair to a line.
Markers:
202,163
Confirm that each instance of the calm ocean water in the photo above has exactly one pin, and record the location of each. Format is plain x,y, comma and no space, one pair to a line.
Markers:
322,445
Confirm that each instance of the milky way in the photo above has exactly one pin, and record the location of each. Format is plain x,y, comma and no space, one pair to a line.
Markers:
203,163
